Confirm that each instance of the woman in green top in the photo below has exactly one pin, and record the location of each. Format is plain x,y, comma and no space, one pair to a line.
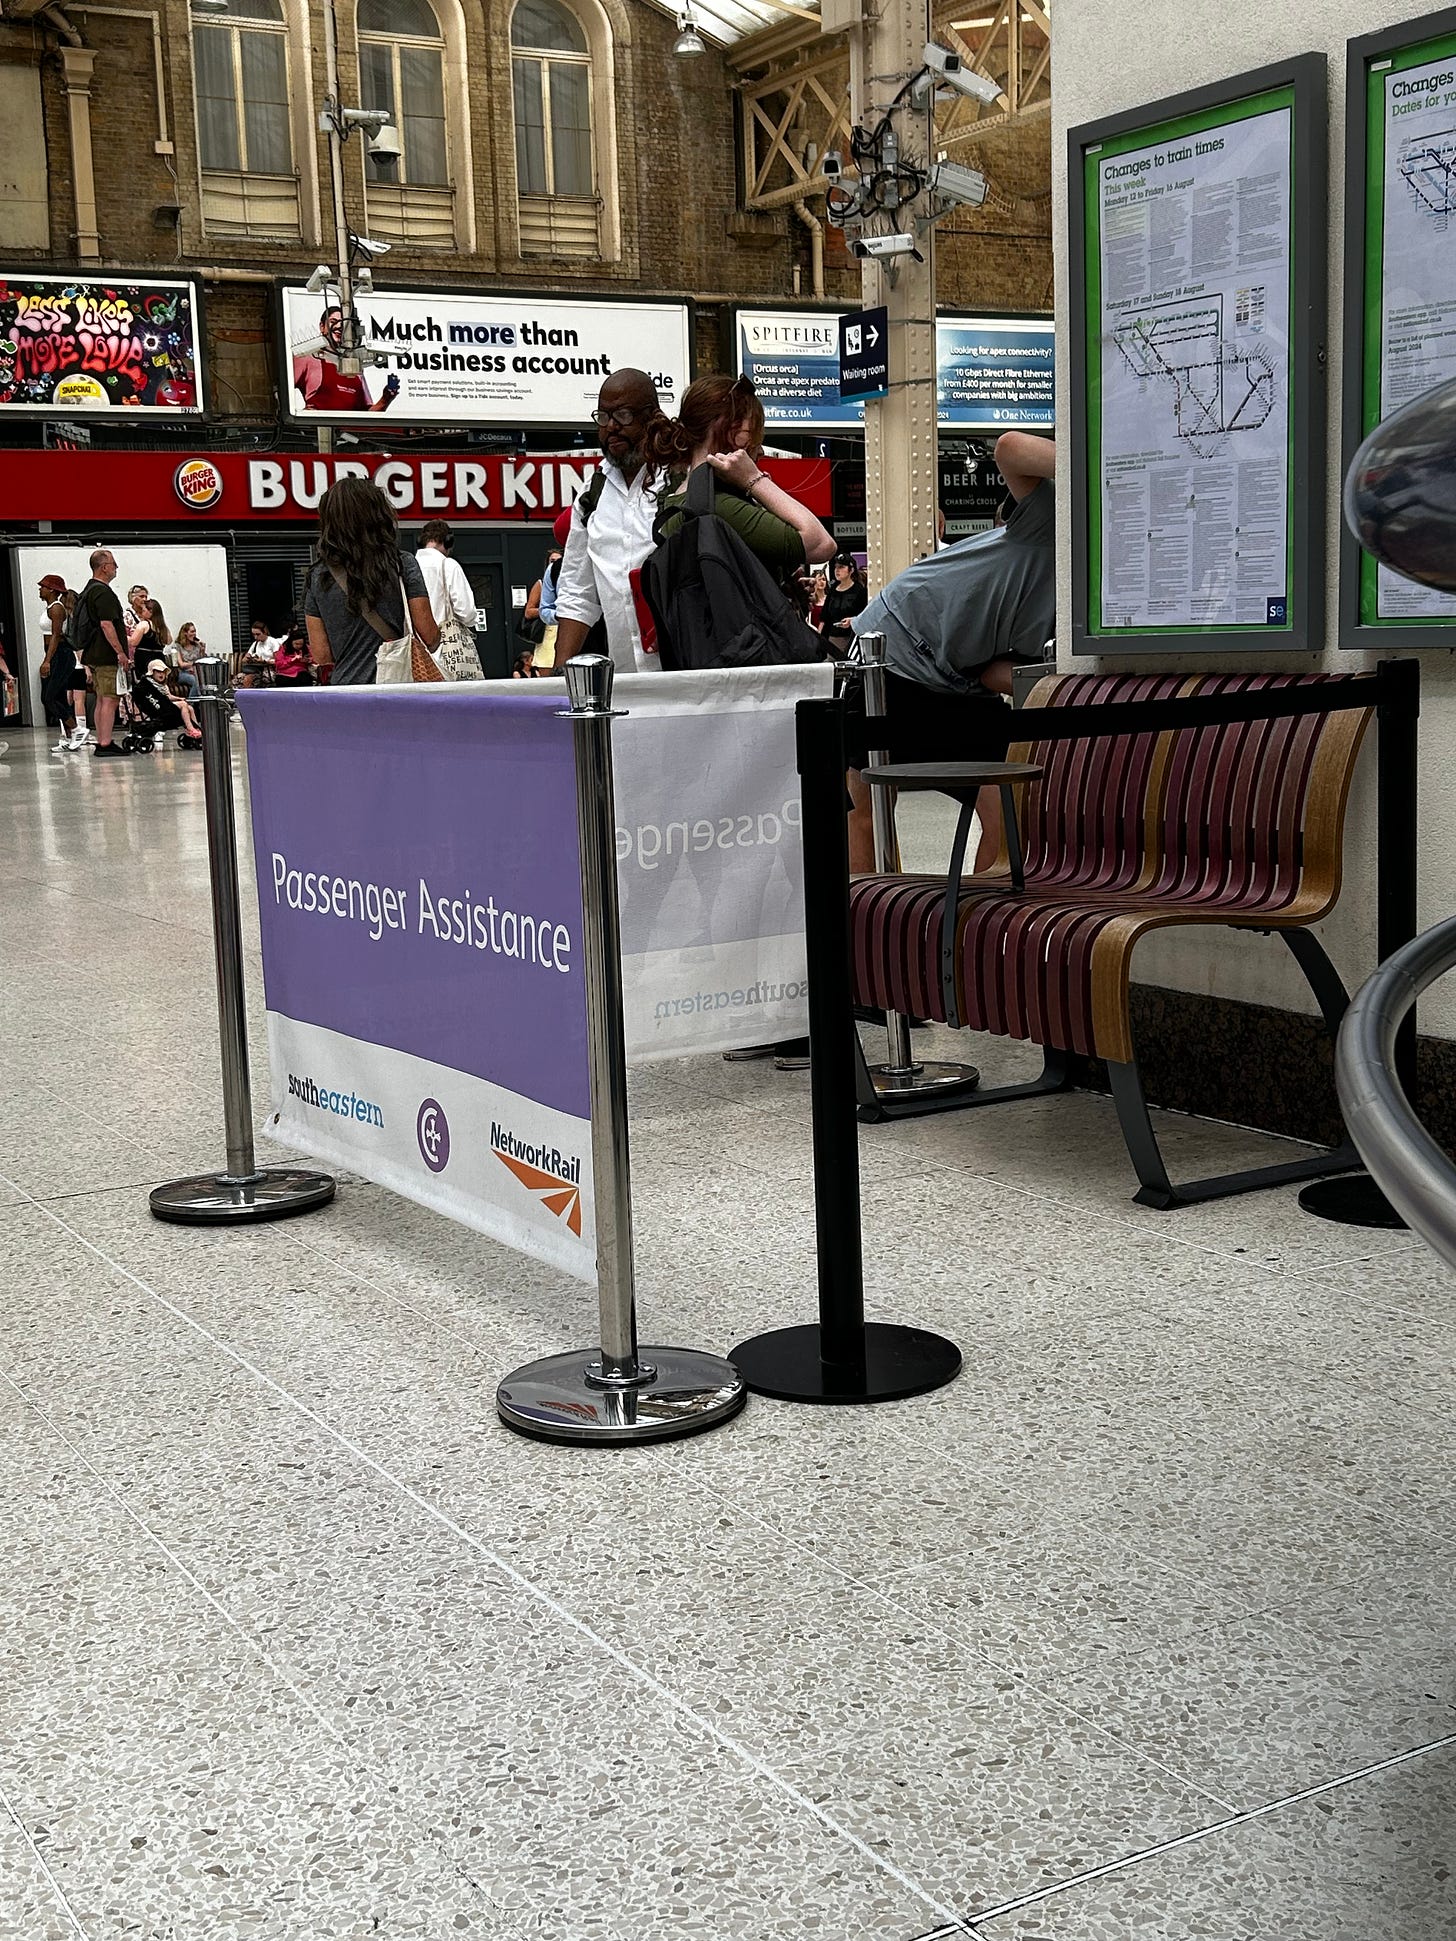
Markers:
720,423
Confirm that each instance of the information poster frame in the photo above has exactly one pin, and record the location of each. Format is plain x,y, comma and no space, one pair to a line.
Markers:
1299,84
1429,40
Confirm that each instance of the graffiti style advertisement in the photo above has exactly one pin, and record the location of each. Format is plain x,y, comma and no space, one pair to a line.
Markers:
72,343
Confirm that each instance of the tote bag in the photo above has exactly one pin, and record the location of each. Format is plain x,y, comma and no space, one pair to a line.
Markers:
403,657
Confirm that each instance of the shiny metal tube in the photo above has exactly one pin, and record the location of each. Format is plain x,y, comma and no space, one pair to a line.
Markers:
1404,1160
215,711
899,1061
589,686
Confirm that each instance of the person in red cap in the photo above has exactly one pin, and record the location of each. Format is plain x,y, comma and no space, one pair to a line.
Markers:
62,678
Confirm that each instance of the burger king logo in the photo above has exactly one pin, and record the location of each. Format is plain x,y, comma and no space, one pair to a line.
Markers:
198,484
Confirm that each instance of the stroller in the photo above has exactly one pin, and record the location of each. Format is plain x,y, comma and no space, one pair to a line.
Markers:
157,714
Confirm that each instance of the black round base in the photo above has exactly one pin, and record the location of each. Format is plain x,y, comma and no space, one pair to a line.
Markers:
214,1200
1353,1200
897,1362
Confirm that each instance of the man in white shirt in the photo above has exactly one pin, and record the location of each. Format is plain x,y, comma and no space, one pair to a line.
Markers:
594,582
445,580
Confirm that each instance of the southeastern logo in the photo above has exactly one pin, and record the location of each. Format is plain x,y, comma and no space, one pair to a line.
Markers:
197,484
554,1177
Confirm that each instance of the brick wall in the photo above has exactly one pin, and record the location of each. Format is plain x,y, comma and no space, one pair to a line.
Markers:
681,233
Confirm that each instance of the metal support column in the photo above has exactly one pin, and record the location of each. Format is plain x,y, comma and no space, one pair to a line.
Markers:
243,1192
617,1393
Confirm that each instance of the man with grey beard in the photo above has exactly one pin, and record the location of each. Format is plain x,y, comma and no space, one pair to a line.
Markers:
611,529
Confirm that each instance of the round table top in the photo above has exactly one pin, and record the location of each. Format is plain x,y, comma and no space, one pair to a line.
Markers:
952,775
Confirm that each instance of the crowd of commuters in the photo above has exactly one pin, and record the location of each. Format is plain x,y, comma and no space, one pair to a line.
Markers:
954,624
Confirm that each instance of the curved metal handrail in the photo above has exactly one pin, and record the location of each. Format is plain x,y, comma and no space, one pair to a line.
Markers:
1405,1161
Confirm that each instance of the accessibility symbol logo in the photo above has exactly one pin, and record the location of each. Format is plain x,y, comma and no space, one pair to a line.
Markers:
432,1131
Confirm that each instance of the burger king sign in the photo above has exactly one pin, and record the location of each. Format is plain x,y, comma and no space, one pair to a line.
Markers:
198,484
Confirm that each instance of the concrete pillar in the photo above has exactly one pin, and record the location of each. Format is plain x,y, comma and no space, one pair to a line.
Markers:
900,430
76,68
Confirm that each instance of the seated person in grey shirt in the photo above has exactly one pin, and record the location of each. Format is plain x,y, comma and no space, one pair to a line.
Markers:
957,621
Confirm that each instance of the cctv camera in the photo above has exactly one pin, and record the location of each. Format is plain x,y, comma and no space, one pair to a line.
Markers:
948,70
322,277
367,245
955,185
885,246
385,149
832,165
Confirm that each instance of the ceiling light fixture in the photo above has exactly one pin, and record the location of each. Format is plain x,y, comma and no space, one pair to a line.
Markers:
689,42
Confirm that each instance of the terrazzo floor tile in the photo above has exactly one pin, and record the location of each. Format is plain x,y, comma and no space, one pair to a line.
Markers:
1372,1859
300,1843
980,1832
31,1906
1255,1708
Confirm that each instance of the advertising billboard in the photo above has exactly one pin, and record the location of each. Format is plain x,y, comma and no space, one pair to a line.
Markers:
70,344
992,373
478,360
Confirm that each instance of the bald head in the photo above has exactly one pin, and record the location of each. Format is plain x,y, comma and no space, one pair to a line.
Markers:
626,405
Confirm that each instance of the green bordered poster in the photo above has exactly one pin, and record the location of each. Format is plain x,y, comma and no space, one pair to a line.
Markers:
1197,268
1400,248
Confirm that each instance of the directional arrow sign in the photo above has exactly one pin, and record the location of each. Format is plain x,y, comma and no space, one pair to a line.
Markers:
864,357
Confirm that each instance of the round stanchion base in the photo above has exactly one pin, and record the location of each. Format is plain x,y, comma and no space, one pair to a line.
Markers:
927,1076
1351,1200
214,1200
557,1400
898,1362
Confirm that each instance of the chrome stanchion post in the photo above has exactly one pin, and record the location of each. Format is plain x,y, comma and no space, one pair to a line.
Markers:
243,1192
618,1393
902,1075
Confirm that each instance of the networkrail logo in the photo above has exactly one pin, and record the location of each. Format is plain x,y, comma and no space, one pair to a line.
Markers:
552,1176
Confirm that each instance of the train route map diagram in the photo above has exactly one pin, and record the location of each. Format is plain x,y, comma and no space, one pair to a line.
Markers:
1189,336
1428,168
1217,387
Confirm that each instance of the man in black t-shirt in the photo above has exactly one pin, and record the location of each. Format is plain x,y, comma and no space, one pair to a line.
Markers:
99,630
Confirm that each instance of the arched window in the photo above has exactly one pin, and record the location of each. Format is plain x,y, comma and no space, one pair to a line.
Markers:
402,69
551,73
242,88
244,118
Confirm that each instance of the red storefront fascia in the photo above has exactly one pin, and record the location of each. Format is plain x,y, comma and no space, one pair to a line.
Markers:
233,488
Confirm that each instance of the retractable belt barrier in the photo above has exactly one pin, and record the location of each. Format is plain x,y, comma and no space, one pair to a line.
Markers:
445,955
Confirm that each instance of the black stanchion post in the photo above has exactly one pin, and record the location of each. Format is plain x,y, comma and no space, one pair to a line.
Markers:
1356,1200
841,1357
1397,824
617,1393
243,1192
902,1076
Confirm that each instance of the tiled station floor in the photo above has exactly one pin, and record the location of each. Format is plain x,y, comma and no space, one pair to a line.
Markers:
1140,1631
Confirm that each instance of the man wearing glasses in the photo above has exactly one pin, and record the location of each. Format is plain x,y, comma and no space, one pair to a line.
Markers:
611,528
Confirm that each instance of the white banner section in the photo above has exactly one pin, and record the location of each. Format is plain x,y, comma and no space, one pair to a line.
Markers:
508,1166
710,858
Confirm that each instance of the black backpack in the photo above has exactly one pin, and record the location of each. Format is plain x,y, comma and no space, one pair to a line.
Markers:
713,601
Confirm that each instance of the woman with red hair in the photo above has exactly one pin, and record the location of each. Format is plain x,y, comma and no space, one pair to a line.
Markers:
720,423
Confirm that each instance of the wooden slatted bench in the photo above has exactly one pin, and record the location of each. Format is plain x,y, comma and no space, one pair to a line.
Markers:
1234,823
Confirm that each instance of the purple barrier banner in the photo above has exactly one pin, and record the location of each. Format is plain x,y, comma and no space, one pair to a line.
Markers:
419,897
